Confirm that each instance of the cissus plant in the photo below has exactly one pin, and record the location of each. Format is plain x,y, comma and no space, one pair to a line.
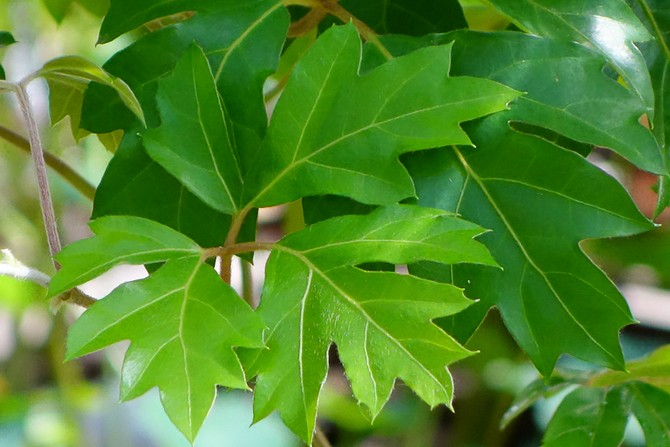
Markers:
410,140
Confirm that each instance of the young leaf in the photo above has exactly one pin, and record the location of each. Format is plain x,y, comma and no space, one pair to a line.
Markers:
610,26
117,240
654,370
68,78
567,91
193,142
651,407
549,290
315,296
183,323
589,417
335,132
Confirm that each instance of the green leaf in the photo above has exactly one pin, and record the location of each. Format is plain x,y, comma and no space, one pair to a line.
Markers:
589,417
58,8
651,407
243,52
68,77
136,185
410,17
549,290
536,390
193,142
335,132
611,27
6,39
654,370
566,91
118,240
315,295
183,323
126,15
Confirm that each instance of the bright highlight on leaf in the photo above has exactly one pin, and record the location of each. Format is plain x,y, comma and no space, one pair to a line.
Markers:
315,295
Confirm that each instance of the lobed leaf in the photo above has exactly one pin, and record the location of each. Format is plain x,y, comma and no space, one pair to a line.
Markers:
549,290
335,132
314,296
183,323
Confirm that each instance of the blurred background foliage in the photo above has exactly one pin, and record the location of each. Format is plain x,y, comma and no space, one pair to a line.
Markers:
45,402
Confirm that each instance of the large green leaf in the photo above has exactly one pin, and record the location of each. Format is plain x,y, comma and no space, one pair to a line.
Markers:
539,207
410,17
315,296
589,417
193,142
136,185
609,26
183,323
117,240
335,132
567,91
651,407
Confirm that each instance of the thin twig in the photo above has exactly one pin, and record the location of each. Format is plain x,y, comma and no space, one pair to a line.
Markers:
24,273
48,215
70,175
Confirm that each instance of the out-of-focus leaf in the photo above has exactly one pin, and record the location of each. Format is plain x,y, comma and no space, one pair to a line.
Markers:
68,78
611,27
651,407
654,370
6,39
549,290
335,132
193,142
314,296
589,417
536,390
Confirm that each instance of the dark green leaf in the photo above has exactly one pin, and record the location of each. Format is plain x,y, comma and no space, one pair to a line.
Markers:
183,323
58,8
567,91
193,142
118,240
611,27
589,417
6,39
328,115
314,296
549,290
651,407
410,17
536,390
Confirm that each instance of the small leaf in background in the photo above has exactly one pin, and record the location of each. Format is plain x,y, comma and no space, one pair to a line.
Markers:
589,417
536,390
117,240
182,323
315,296
68,77
6,39
651,407
193,142
548,290
611,27
335,132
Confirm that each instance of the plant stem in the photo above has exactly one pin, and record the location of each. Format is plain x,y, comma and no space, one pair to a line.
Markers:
320,439
37,152
55,163
23,273
247,283
231,238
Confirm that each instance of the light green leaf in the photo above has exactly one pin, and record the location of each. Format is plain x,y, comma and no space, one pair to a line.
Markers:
651,407
566,91
315,296
68,78
118,240
654,370
611,27
183,323
193,142
589,417
549,290
335,132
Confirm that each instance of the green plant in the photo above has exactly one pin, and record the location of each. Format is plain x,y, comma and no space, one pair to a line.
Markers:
405,136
